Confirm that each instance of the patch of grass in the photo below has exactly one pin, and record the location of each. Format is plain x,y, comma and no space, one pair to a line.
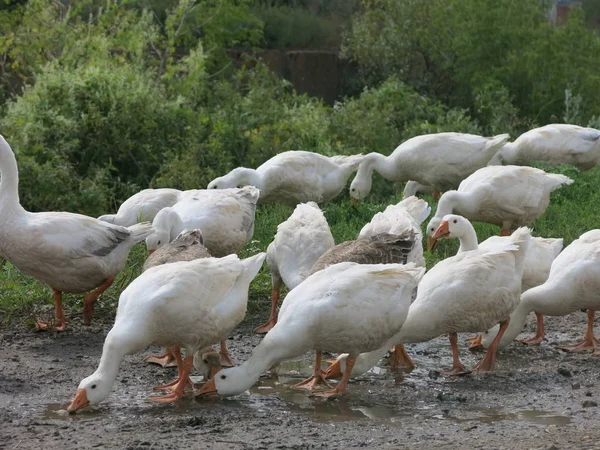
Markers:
572,212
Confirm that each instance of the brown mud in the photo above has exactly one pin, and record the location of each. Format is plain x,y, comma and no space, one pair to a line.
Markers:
538,398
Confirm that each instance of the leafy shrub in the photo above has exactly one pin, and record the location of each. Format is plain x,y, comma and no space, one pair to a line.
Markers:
93,129
383,117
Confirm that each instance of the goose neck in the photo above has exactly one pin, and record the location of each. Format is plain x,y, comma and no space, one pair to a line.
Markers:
9,178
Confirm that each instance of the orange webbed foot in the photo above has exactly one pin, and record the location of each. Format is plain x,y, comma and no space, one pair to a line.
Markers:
476,343
164,360
455,371
329,393
312,383
537,340
266,327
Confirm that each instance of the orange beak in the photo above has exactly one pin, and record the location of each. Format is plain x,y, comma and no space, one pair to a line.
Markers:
431,243
212,372
150,252
334,370
207,388
79,401
442,231
353,200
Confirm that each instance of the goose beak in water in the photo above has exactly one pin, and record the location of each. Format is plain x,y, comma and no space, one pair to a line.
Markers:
79,401
334,370
207,388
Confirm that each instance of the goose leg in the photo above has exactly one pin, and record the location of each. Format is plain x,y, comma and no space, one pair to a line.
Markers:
61,322
177,390
317,377
266,327
476,343
457,367
399,358
342,385
539,334
225,358
589,342
90,299
489,360
174,352
436,195
505,232
167,359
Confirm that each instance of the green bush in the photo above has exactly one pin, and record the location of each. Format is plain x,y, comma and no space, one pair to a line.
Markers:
383,117
85,135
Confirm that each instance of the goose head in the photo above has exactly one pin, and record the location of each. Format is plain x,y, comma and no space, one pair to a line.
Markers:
450,226
360,186
238,177
207,362
91,391
227,382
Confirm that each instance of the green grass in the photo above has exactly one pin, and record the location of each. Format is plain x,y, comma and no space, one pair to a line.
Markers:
572,211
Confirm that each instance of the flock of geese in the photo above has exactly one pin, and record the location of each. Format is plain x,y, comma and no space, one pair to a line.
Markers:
360,299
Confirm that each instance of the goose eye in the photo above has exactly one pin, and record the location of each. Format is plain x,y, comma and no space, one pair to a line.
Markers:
432,229
454,220
215,186
353,189
93,386
205,361
158,242
223,377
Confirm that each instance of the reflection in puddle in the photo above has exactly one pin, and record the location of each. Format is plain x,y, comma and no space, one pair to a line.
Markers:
275,393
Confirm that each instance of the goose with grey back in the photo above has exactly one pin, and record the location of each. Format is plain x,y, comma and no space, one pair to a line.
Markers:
69,252
383,248
462,293
188,246
294,177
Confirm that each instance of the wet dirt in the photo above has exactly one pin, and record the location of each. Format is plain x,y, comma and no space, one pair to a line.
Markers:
538,398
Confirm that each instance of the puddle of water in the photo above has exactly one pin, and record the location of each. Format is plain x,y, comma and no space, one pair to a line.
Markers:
275,393
493,415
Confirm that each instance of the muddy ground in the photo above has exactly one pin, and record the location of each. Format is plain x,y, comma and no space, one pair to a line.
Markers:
539,398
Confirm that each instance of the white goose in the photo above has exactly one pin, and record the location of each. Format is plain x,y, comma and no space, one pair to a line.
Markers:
439,160
225,217
573,284
536,267
142,206
556,144
399,219
69,252
508,196
462,293
345,307
299,242
294,177
189,304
